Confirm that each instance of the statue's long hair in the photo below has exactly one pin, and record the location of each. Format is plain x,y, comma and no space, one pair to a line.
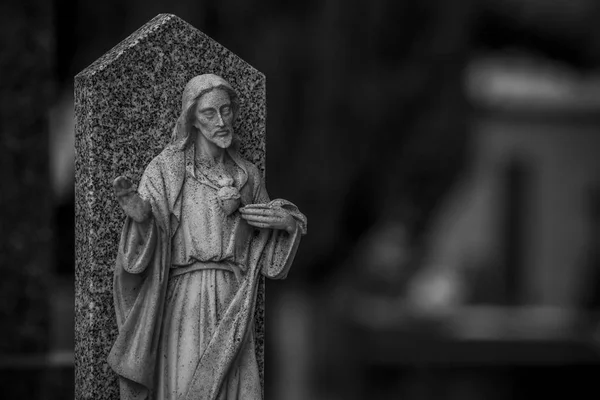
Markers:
185,125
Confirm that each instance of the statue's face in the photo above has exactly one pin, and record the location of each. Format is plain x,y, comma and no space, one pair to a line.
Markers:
214,118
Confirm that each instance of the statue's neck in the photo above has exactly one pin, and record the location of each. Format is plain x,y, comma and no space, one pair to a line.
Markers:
209,151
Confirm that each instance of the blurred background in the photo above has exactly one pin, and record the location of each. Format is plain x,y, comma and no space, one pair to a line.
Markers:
446,153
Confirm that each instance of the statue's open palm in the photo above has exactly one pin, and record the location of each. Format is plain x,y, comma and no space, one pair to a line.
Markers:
133,205
263,216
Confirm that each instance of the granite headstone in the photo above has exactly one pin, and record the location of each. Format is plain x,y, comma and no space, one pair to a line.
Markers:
126,104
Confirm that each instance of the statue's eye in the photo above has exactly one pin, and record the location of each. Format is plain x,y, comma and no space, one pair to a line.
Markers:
226,110
209,114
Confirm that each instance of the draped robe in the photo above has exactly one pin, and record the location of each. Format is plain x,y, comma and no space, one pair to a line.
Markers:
153,353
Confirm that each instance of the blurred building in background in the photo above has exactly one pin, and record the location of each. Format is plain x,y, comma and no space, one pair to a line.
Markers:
445,153
503,304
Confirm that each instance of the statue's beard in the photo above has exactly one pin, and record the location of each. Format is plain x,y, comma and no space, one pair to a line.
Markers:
223,141
219,141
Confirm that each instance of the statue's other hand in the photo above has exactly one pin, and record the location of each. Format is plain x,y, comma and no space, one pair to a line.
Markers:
262,216
122,186
130,201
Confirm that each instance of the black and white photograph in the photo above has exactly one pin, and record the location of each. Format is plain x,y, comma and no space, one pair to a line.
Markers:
310,200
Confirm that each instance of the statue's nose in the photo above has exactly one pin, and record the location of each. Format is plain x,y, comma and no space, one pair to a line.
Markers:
220,122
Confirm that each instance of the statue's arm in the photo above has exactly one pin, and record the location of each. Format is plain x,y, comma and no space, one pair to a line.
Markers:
287,222
138,237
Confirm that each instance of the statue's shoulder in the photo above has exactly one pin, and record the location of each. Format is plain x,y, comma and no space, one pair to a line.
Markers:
171,151
254,174
249,166
170,159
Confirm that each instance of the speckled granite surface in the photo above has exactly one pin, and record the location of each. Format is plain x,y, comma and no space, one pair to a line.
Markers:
126,104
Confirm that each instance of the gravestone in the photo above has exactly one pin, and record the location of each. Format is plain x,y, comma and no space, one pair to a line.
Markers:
126,104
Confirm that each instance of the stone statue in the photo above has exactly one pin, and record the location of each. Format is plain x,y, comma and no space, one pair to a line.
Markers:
200,230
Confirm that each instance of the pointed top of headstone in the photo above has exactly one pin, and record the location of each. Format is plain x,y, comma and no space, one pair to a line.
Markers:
171,30
137,85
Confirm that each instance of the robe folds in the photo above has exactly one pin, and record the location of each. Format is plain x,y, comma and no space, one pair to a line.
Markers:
153,305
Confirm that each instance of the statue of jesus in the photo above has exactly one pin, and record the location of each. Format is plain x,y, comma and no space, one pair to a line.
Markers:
199,232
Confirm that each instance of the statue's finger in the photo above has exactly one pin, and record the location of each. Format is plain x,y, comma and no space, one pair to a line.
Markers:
254,207
119,192
122,183
258,211
256,217
118,181
259,224
253,211
260,218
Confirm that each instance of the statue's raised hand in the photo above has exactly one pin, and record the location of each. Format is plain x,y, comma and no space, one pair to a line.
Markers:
130,201
264,216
